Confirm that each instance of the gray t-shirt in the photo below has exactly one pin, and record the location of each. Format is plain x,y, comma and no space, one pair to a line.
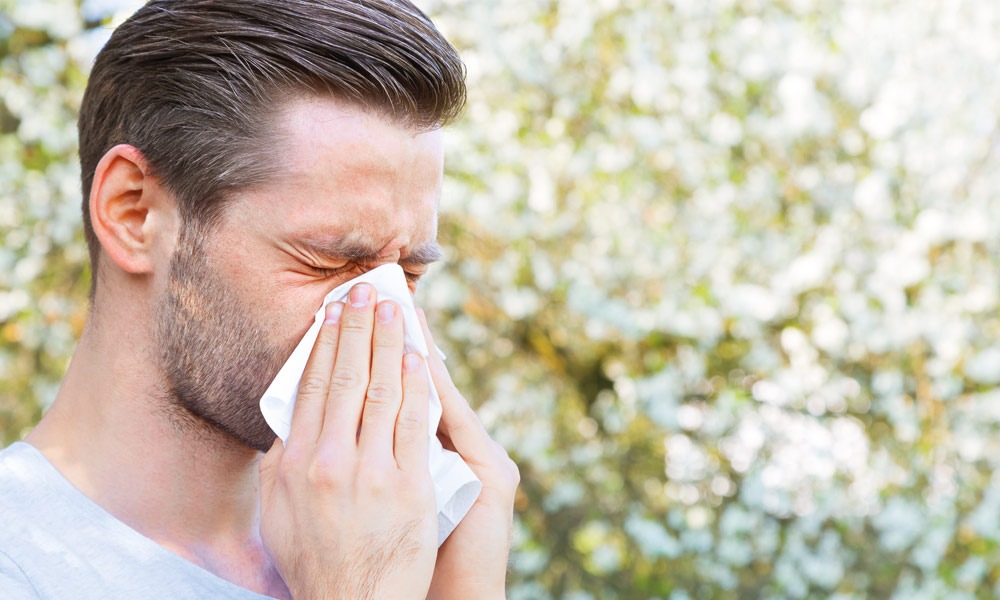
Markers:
57,543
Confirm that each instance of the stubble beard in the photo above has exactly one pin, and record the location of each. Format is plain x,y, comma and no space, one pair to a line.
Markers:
216,359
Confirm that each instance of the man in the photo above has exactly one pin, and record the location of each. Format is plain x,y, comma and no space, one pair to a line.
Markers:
240,159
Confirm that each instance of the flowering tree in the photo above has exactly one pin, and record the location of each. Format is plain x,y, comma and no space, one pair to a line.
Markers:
723,277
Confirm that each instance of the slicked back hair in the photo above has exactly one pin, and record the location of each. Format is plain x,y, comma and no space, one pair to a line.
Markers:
195,86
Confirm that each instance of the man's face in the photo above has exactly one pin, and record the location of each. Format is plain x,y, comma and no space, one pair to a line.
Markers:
355,191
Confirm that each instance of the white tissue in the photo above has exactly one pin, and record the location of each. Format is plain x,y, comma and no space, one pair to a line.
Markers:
455,485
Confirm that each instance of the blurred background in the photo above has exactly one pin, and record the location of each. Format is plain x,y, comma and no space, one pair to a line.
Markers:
722,275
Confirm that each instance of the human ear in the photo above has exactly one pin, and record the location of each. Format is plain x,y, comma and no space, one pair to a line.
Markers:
126,206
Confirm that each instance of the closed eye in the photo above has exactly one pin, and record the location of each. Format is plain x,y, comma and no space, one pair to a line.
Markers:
412,279
327,273
412,276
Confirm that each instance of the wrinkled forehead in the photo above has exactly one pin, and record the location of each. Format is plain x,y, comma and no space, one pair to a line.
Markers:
346,174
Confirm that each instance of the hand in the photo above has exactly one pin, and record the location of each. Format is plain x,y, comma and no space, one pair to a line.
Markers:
472,562
347,505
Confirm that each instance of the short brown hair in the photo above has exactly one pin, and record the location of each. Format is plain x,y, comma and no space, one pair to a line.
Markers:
194,85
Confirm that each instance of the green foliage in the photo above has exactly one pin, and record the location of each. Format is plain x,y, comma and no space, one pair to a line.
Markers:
45,51
723,277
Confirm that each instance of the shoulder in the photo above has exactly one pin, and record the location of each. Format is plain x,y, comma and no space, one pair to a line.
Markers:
25,492
21,476
14,459
17,494
14,583
57,543
40,507
23,473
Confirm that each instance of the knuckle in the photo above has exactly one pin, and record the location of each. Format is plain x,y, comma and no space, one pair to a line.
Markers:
409,421
377,483
461,416
386,339
345,377
515,472
327,337
312,384
323,474
382,392
372,409
506,465
356,322
461,426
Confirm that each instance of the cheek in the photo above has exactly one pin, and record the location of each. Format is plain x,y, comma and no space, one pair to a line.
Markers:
282,303
286,314
281,313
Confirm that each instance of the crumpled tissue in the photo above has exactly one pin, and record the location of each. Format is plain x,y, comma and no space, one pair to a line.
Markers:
456,487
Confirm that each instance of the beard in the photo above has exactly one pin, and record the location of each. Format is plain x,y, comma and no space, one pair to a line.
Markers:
216,358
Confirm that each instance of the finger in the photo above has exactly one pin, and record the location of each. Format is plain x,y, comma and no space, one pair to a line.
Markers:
458,420
314,387
434,356
385,393
268,466
412,437
350,370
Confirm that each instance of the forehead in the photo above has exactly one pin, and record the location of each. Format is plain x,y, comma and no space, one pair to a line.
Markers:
346,173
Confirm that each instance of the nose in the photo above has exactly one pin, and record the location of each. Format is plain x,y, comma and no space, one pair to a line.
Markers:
389,254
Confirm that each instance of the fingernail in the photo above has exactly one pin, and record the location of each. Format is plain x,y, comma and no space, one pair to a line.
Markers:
411,362
386,312
333,311
360,294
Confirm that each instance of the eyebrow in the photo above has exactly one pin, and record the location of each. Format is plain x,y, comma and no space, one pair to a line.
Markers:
342,248
424,254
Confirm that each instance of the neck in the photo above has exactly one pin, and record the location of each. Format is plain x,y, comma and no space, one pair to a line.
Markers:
113,433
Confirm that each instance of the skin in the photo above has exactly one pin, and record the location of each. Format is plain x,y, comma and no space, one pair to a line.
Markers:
336,513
